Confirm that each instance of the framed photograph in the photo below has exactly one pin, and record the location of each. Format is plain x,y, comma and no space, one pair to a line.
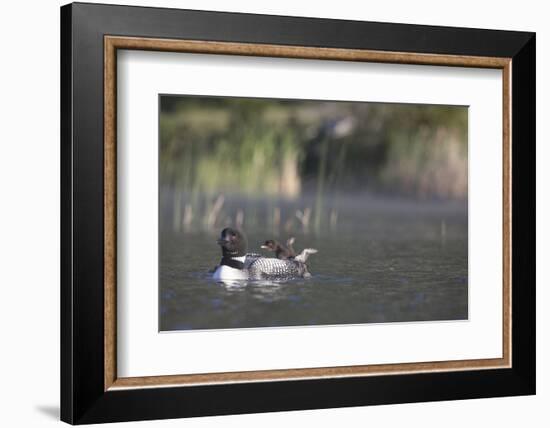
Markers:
265,213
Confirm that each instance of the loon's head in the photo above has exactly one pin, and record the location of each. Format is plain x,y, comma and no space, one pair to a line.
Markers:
233,243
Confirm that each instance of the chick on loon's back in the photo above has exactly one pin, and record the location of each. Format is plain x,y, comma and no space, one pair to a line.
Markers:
281,252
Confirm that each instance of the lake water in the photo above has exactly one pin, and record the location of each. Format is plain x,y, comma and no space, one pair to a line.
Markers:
390,261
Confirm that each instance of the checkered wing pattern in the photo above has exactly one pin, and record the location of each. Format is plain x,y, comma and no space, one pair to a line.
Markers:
264,267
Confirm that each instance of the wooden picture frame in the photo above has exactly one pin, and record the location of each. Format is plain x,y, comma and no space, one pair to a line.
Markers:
91,390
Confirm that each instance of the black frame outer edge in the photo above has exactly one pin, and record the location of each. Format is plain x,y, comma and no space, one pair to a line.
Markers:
66,306
82,397
524,213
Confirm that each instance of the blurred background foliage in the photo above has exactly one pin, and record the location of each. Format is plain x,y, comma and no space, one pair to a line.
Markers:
216,149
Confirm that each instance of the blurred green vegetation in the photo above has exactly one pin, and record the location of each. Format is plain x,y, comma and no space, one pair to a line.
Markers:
291,149
229,145
274,147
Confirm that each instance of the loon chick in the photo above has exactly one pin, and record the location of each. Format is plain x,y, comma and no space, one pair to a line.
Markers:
281,252
288,253
237,264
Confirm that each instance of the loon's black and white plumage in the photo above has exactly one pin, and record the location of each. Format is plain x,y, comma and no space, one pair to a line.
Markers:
238,265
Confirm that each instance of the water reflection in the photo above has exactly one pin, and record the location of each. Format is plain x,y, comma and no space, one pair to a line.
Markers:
266,290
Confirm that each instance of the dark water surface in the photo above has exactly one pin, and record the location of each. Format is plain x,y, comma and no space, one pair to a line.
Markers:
394,262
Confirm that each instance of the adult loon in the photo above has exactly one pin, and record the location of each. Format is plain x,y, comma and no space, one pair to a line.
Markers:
238,265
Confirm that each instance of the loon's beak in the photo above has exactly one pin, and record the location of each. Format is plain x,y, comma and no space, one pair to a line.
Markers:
222,241
265,247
